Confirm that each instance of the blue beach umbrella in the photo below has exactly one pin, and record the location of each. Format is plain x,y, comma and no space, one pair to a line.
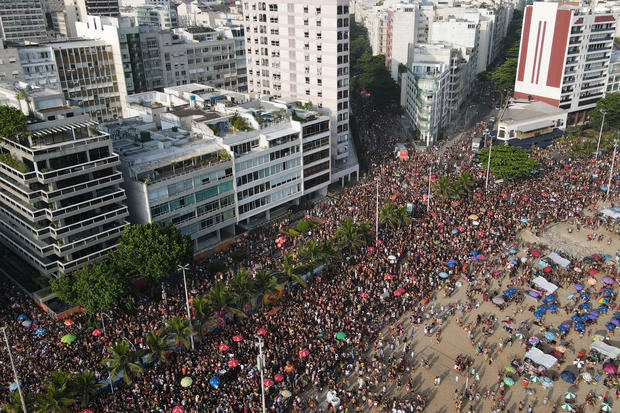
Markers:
610,326
576,318
13,386
512,251
40,331
443,275
585,306
450,263
593,315
603,308
549,335
22,317
538,314
580,326
214,382
552,307
562,328
584,296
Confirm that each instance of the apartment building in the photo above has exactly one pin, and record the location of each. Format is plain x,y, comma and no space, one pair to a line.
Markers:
10,65
22,20
564,56
301,50
39,66
401,31
61,204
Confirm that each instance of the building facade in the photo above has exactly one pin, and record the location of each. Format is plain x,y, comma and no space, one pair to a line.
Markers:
22,20
301,50
61,204
564,56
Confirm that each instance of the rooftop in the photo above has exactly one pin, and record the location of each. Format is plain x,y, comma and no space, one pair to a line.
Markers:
523,110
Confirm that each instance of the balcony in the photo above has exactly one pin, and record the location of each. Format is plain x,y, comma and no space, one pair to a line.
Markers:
68,230
93,185
60,213
88,241
47,177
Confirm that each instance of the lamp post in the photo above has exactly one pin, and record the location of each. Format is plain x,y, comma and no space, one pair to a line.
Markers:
611,170
600,133
109,372
19,387
377,213
102,322
184,268
260,363
428,196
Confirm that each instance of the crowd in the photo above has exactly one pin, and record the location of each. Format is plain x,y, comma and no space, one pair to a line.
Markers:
351,295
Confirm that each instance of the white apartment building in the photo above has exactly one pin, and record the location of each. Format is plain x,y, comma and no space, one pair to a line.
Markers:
10,65
301,50
401,32
61,204
161,16
22,20
377,25
39,66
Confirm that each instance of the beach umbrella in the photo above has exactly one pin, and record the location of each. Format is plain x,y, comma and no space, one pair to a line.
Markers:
286,394
592,271
261,331
508,381
268,382
603,308
278,377
549,335
584,296
568,376
610,368
578,362
605,407
232,363
569,396
237,338
341,335
186,381
512,251
22,317
591,281
541,308
475,223
580,326
585,306
538,314
26,323
40,331
608,291
525,220
69,322
214,381
586,376
593,315
548,299
224,347
546,381
608,280
87,411
533,340
178,409
585,317
535,379
399,291
578,287
387,277
451,263
547,269
535,253
509,369
576,318
603,300
570,296
303,353
520,336
598,337
13,386
552,307
498,300
443,275
473,217
617,314
364,295
454,231
96,332
68,338
288,368
567,407
562,328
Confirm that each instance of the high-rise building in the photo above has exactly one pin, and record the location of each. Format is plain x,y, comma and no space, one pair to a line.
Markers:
564,56
401,31
300,50
22,20
61,204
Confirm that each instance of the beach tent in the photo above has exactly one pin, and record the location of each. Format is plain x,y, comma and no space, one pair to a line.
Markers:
558,259
545,285
540,358
605,349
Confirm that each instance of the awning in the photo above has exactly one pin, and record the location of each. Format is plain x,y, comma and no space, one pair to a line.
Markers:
540,358
545,285
558,259
605,349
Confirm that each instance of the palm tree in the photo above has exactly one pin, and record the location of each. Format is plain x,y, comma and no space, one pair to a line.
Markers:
328,250
349,236
202,313
121,360
443,186
467,181
365,233
60,379
15,403
179,330
264,284
311,252
388,216
55,399
158,345
223,301
286,271
83,386
242,286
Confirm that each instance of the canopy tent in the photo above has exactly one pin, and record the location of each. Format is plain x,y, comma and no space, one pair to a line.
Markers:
545,285
540,358
605,349
558,259
610,213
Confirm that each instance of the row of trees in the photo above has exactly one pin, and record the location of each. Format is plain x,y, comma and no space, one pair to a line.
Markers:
456,188
151,250
508,162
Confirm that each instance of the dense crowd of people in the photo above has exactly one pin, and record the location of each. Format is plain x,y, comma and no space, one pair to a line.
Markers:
351,295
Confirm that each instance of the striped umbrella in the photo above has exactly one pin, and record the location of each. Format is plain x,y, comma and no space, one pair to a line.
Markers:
535,379
567,407
605,407
569,396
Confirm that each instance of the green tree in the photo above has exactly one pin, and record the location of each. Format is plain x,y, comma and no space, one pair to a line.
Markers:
443,187
223,301
14,405
504,76
311,252
121,360
98,286
242,285
202,313
57,397
393,217
264,284
12,122
610,103
286,271
179,330
466,181
349,236
153,250
84,386
508,162
157,342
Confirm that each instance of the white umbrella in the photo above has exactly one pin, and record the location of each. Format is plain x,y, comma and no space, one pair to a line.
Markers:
605,407
579,363
586,376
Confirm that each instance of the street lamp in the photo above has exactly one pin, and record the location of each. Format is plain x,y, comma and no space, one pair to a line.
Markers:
19,387
184,268
611,170
428,195
377,213
109,372
102,322
260,363
600,133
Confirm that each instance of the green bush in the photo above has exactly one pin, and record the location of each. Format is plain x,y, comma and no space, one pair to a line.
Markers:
293,232
305,226
7,159
145,136
239,123
12,122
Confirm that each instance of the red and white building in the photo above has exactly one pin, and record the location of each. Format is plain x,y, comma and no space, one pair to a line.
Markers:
564,56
